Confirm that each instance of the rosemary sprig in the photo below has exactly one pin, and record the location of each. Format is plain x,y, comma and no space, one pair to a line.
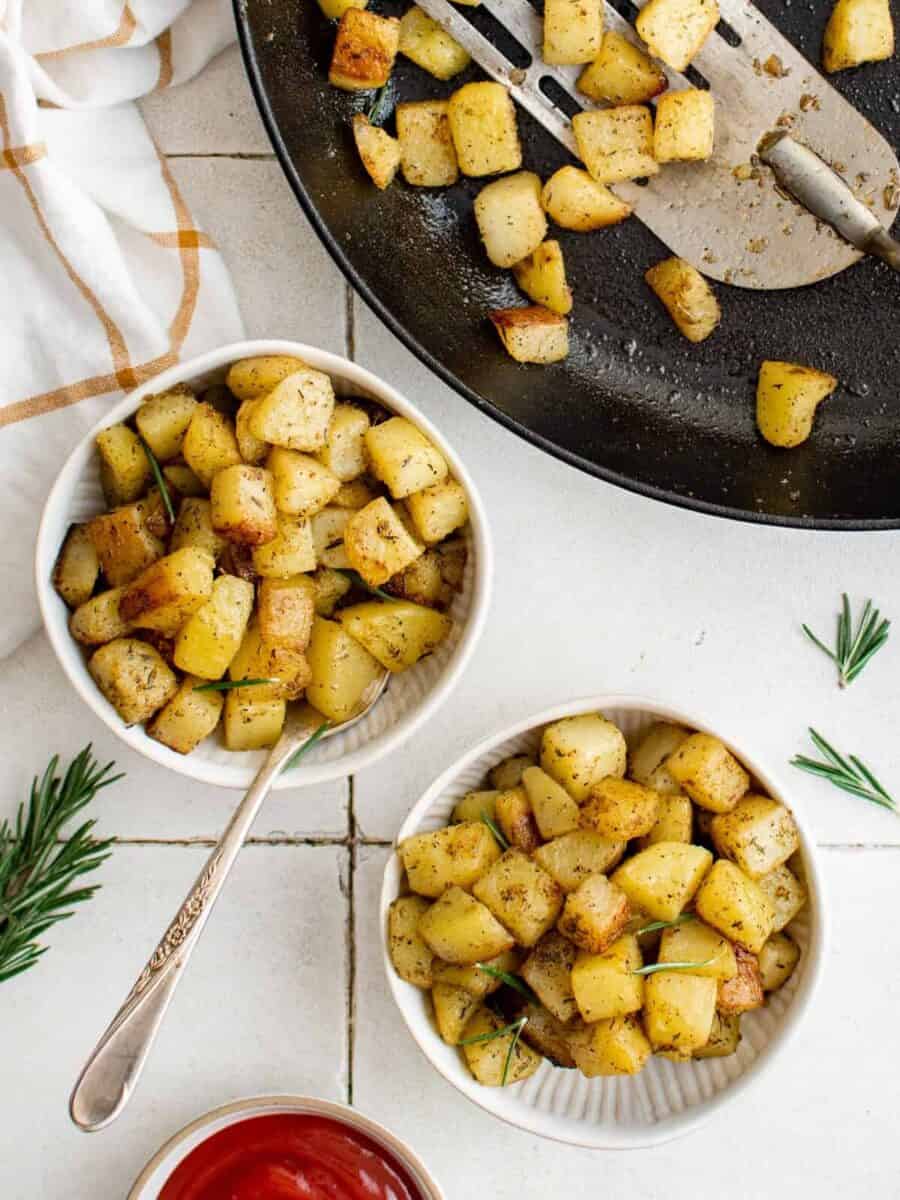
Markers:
383,104
512,981
160,480
357,580
228,685
498,836
854,649
515,1029
36,869
654,925
308,744
847,773
652,968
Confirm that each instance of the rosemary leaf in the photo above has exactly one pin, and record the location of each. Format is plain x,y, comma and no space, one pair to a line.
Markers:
357,580
515,1028
521,1023
853,649
228,685
308,744
500,839
512,981
383,104
160,480
655,925
848,773
652,968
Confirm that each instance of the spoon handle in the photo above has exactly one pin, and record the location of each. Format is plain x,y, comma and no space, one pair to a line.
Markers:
110,1075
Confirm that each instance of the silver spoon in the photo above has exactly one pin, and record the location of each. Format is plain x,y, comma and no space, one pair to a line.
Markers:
110,1075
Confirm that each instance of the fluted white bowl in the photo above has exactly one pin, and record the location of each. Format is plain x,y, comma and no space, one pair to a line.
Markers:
411,697
667,1099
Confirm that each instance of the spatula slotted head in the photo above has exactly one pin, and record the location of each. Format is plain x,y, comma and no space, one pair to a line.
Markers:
725,215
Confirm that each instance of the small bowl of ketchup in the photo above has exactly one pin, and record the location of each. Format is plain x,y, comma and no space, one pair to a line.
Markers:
284,1148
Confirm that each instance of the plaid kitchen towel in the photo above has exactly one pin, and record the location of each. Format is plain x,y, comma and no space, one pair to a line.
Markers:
104,277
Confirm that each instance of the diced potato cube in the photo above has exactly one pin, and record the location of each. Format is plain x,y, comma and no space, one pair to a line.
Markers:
542,277
430,46
662,880
787,396
744,990
291,551
555,812
858,31
510,218
397,633
219,397
512,812
124,465
777,959
335,9
617,1046
193,527
364,53
377,543
438,510
453,1007
403,458
285,608
786,894
124,544
474,978
209,639
210,443
242,505
521,895
487,1060
616,143
674,821
297,411
679,1010
595,915
345,452
98,620
133,677
427,152
580,751
687,296
695,942
77,567
302,484
412,959
533,334
475,806
619,809
759,834
647,760
455,856
684,126
508,773
575,856
378,152
252,724
165,594
163,421
287,672
188,718
328,528
342,671
331,587
422,582
182,479
483,127
250,378
574,200
548,1036
573,31
355,493
724,1037
253,449
674,30
460,929
621,73
605,985
735,905
709,773
548,972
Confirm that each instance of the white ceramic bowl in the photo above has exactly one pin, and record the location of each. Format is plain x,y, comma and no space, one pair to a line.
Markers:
411,698
666,1099
149,1183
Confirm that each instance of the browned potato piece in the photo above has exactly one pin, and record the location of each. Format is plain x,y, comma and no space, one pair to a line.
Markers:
331,587
575,201
487,1060
475,978
647,759
581,750
297,412
621,73
548,972
724,1037
163,420
455,856
378,152
510,218
251,724
403,458
342,671
427,152
483,126
533,334
210,443
397,633
77,567
786,894
459,929
858,31
378,544
253,449
508,773
663,879
605,985
674,821
344,454
555,812
133,677
570,859
164,595
124,466
674,30
251,378
787,396
685,126
188,718
744,991
732,903
544,1033
285,609
759,834
124,544
619,809
182,479
573,30
412,959
328,527
512,812
291,552
242,505
616,143
708,772
694,942
679,1010
453,1007
520,894
429,46
303,485
438,510
687,296
422,582
594,915
364,50
288,672
98,620
617,1046
777,960
542,277
475,806
210,637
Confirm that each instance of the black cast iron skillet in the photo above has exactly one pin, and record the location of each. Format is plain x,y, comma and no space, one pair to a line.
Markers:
634,403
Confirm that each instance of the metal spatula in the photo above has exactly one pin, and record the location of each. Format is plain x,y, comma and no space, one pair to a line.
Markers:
725,216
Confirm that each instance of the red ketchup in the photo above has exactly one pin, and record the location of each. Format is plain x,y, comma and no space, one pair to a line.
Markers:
289,1156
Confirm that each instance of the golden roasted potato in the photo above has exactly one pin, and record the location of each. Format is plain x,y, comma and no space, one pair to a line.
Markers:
724,1037
342,670
133,677
735,905
165,594
574,200
521,895
573,31
858,31
508,773
377,543
124,465
163,420
427,152
744,990
378,152
98,620
580,751
412,959
242,505
291,552
287,672
605,984
542,277
759,834
331,587
194,527
475,806
302,484
555,812
695,942
679,1010
616,143
674,30
548,972
533,334
453,1007
285,609
188,718
512,812
124,544
344,453
211,637
77,567
422,582
647,760
684,128
786,894
617,1046
687,296
364,53
575,856
473,977
297,412
619,809
777,959
674,821
484,131
709,773
250,378
594,915
252,724
621,73
328,527
210,443
438,510
253,449
403,458
182,480
662,880
455,856
487,1060
430,46
548,1036
510,218
335,9
460,929
787,396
